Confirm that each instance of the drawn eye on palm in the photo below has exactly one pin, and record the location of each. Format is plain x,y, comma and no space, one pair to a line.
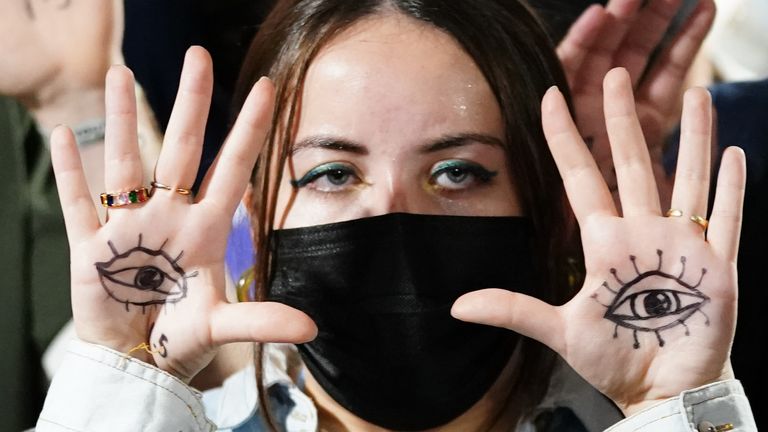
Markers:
644,304
143,277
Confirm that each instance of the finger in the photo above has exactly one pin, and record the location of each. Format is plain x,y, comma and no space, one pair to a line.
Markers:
226,180
122,163
583,182
260,322
691,191
578,42
523,314
183,144
634,176
665,78
725,222
80,217
619,17
644,36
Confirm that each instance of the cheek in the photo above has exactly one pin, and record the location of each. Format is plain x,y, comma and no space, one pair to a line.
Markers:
500,200
508,200
302,211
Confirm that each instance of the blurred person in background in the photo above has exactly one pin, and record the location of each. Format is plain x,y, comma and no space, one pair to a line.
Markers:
737,47
54,58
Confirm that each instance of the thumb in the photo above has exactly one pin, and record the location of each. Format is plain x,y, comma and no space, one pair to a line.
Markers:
260,322
523,314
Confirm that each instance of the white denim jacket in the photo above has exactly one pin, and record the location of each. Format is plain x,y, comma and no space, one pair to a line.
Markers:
98,389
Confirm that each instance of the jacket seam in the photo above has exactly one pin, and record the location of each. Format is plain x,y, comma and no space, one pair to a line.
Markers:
178,396
45,420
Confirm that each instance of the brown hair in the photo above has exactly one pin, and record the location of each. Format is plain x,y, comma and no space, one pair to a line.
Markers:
517,58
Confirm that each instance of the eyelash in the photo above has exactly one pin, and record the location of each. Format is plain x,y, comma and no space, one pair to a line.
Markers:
324,171
477,172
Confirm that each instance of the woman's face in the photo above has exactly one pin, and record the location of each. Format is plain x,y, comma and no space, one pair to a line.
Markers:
395,117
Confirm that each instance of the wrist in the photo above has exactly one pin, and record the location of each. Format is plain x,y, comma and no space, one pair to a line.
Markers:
629,409
91,131
71,107
632,409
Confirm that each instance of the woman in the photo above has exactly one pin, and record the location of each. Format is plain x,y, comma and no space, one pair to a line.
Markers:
404,169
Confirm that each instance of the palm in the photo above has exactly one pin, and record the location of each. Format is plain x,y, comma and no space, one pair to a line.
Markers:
646,326
150,278
154,272
673,326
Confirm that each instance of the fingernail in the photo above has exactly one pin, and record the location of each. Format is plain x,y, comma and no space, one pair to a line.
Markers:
463,308
57,130
549,98
595,6
553,92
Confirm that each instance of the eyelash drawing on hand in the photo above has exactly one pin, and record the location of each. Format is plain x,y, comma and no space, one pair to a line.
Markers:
143,277
641,305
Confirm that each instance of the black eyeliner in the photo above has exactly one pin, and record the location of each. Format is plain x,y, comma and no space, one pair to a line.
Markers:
481,173
318,172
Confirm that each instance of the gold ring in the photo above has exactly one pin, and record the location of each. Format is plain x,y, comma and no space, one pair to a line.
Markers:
121,199
157,185
700,221
673,213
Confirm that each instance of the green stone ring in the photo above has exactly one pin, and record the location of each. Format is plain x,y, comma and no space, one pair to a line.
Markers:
124,198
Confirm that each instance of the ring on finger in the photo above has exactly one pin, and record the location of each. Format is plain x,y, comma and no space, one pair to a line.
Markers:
121,199
674,213
700,221
181,191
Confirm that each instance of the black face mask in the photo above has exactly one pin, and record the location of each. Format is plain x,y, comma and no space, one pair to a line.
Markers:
380,290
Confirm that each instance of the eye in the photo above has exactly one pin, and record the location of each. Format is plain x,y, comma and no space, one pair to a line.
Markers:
143,277
459,174
644,304
655,304
330,177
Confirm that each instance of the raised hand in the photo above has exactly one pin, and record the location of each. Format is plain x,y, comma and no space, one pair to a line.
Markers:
154,272
657,311
624,34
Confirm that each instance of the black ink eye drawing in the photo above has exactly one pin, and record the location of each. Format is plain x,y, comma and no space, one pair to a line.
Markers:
143,277
642,305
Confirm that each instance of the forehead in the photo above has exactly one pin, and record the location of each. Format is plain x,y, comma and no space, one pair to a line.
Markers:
392,74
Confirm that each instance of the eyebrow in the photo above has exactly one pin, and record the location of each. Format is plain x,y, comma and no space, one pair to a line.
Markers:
445,142
460,140
329,143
